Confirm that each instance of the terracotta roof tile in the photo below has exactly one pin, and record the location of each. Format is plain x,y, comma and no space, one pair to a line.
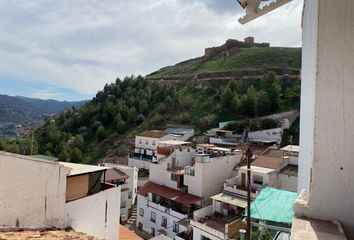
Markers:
126,234
268,162
168,193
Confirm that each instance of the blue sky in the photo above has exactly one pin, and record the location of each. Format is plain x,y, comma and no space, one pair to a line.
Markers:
68,50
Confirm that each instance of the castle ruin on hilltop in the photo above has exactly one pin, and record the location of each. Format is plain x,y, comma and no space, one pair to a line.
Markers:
232,46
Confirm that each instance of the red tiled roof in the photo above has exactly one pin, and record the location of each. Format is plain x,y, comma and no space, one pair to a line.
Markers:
268,162
126,234
168,193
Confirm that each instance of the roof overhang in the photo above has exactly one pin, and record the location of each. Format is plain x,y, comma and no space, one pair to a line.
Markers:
230,199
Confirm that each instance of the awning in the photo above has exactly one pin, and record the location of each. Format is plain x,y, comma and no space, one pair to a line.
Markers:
232,200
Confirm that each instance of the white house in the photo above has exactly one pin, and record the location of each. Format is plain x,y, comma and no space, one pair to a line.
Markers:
44,194
127,178
211,168
219,221
266,136
146,144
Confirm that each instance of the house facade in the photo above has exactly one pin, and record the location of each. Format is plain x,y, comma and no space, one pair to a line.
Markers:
59,195
127,178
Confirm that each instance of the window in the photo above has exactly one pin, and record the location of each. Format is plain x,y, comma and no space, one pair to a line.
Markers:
141,212
123,204
140,226
130,195
173,177
140,141
258,179
153,143
153,232
153,217
164,221
175,227
146,142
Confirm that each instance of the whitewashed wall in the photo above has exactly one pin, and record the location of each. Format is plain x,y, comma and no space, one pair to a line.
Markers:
287,182
327,112
209,177
96,215
160,211
31,189
274,134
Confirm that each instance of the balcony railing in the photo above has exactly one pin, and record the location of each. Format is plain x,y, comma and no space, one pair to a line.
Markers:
140,156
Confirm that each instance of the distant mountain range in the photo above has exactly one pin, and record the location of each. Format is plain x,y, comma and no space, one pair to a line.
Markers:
18,113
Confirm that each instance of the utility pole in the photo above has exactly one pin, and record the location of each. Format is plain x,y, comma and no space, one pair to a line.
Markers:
249,155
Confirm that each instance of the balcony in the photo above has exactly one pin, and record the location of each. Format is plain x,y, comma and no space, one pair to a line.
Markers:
222,226
140,156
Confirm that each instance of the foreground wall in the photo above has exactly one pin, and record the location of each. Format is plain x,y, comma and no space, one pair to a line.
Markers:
32,192
96,215
327,113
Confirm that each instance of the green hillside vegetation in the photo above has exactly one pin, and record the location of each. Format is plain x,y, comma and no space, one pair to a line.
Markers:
246,59
106,125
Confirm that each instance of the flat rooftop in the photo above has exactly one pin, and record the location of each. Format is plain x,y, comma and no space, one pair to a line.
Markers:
152,134
168,193
45,235
173,143
312,229
290,170
269,162
258,169
291,148
78,169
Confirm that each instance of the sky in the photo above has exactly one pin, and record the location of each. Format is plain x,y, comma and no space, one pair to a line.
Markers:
68,50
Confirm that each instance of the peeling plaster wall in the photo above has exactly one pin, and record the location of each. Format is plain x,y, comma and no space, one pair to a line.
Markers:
327,111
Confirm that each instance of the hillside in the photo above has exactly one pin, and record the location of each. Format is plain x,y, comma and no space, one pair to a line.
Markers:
18,113
105,126
234,57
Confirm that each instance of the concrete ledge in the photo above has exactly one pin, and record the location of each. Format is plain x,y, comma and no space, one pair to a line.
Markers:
313,229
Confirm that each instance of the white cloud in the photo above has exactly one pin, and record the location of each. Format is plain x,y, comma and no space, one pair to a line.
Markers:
83,44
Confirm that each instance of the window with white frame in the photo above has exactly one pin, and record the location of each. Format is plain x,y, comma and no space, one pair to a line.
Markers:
141,212
173,177
175,227
153,217
164,221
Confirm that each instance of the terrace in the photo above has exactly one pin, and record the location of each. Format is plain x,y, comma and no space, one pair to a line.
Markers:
223,225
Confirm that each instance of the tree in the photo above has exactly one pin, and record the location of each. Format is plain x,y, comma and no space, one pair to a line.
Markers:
143,106
263,103
101,133
274,93
79,142
76,155
226,97
272,87
235,86
64,155
235,103
248,102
